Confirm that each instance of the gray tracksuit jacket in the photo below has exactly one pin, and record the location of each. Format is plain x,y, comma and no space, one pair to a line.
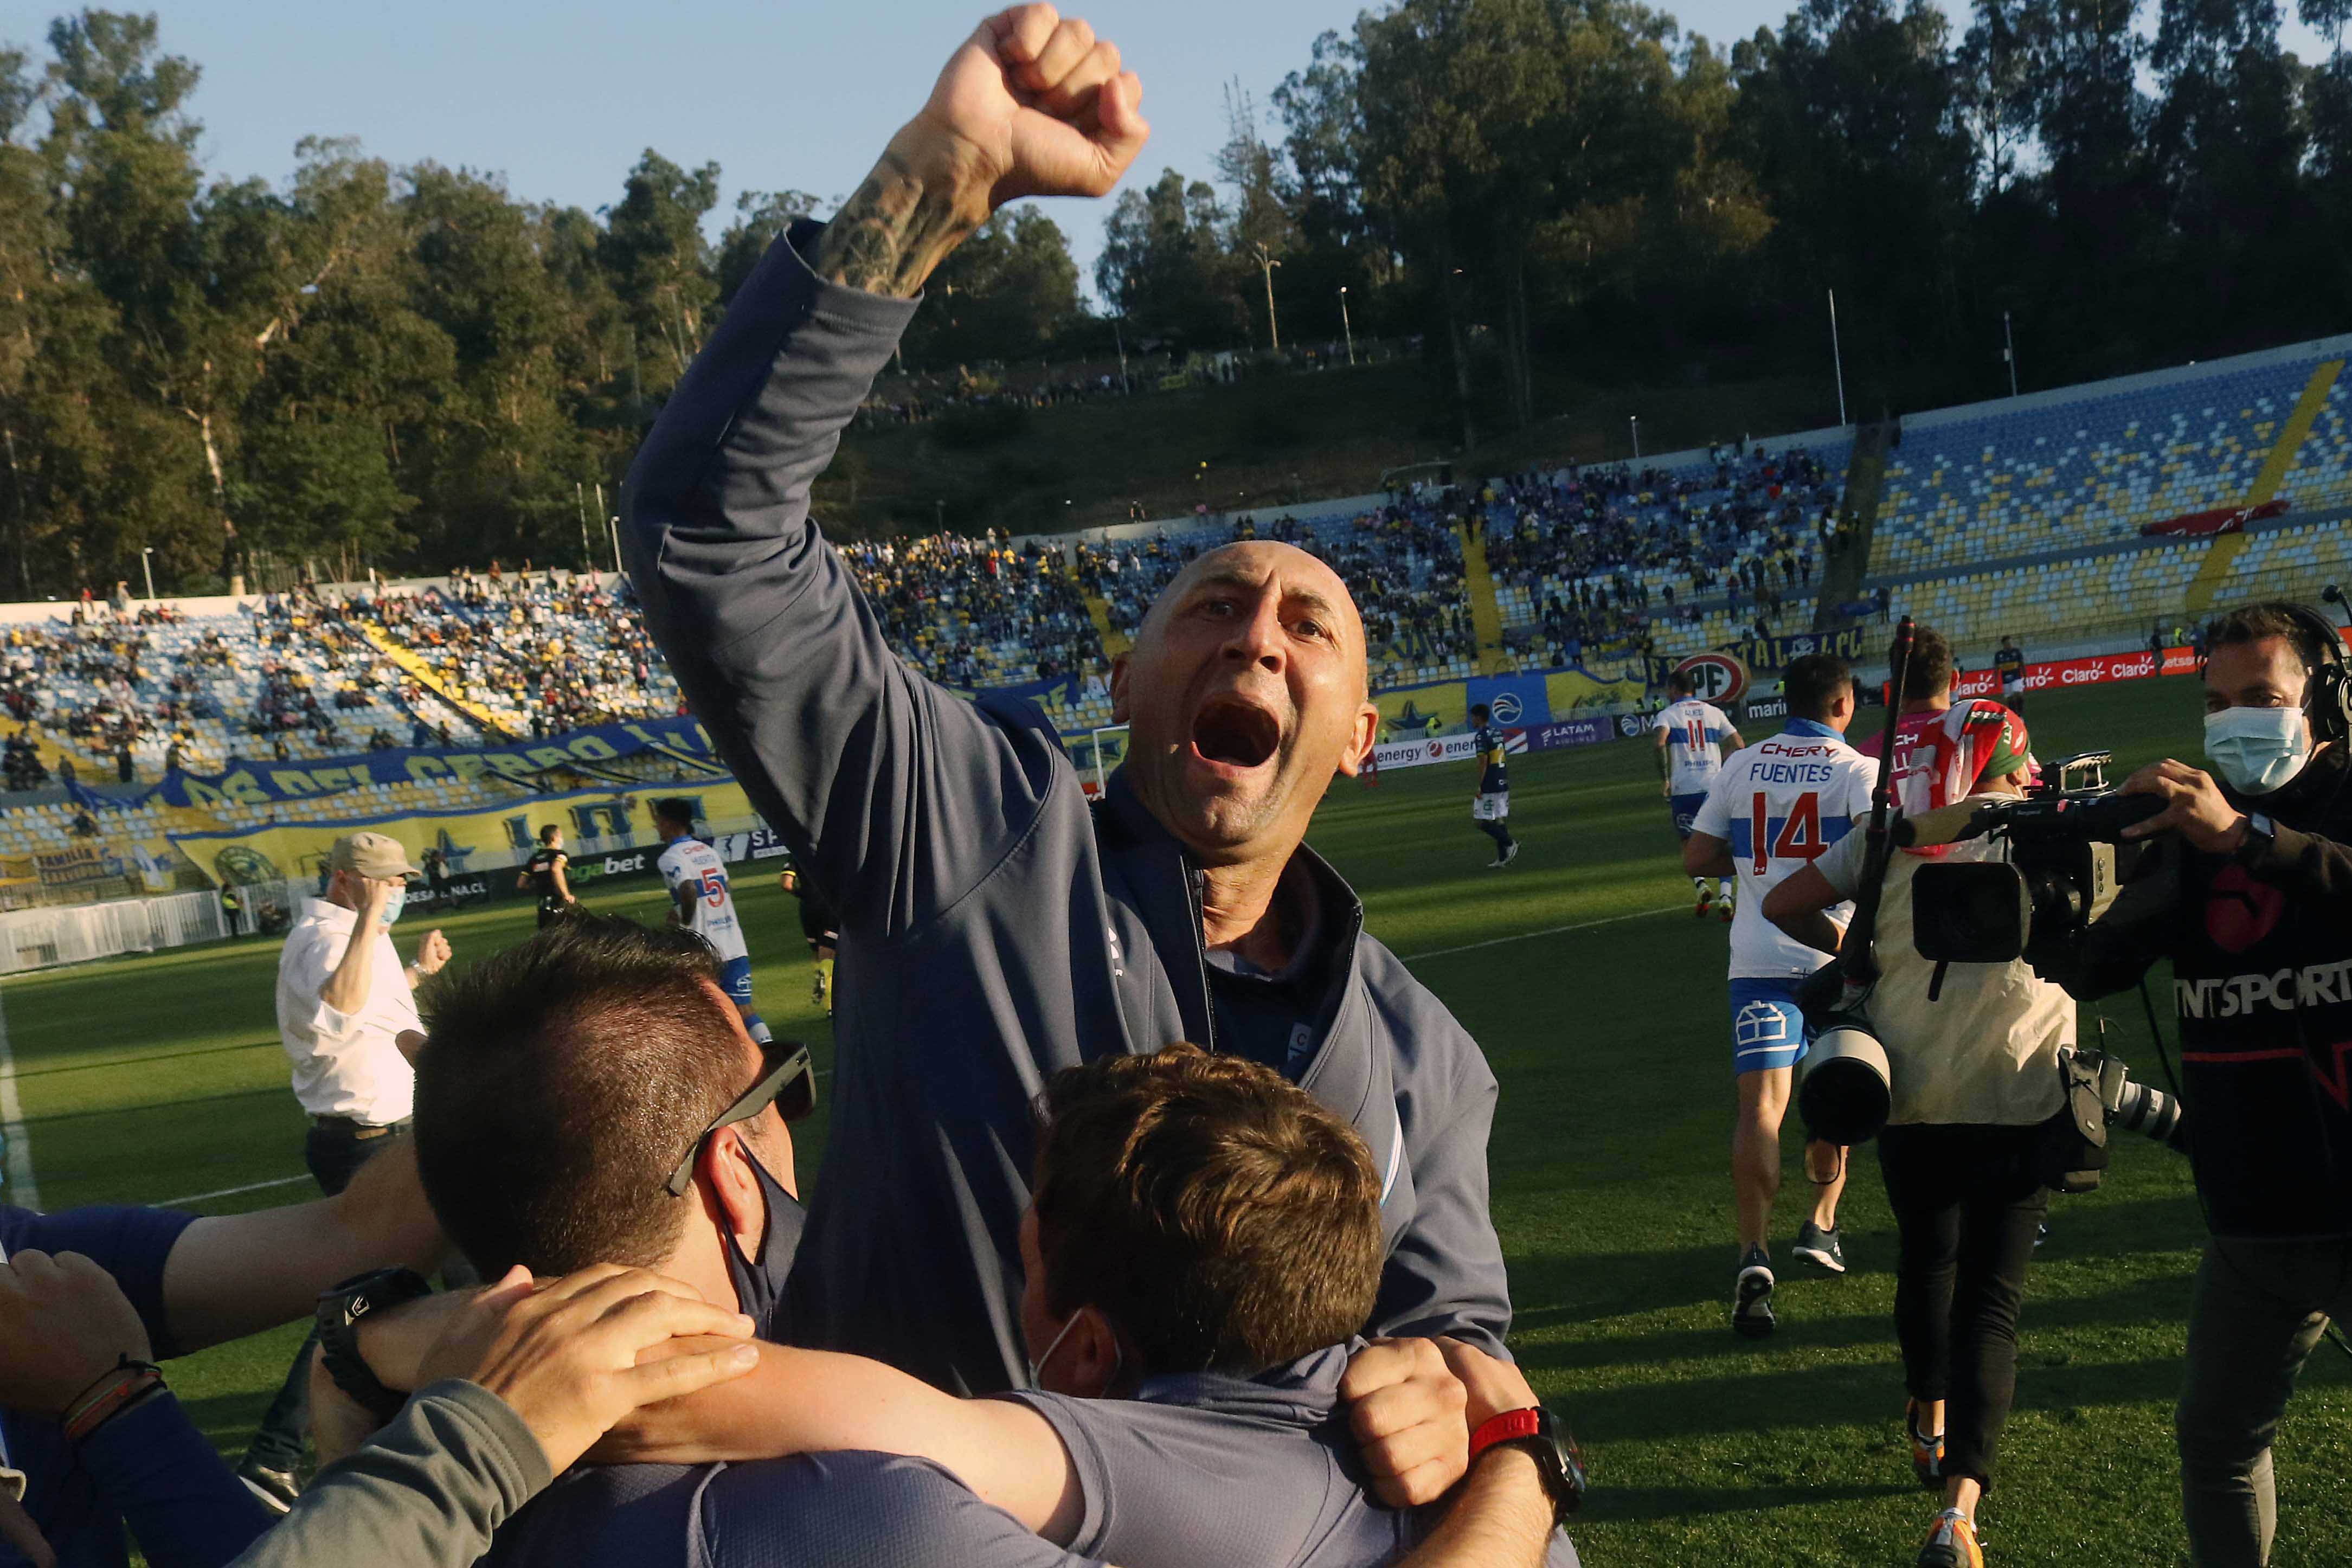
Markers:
995,928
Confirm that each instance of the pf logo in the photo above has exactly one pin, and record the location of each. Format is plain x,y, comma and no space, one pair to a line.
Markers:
1714,676
1505,708
2240,911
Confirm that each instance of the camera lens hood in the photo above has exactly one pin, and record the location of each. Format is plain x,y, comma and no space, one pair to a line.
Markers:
1847,1092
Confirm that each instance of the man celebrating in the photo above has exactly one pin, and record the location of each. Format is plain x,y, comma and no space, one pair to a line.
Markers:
1691,738
994,929
1777,807
1490,809
347,1018
702,902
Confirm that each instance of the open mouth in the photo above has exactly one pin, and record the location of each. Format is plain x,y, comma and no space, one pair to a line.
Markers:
1236,732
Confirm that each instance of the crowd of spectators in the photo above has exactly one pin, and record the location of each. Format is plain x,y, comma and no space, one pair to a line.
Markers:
978,612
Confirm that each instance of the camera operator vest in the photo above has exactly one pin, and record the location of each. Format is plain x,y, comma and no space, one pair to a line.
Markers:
2262,980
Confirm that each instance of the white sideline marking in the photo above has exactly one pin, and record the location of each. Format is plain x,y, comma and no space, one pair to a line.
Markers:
1531,935
231,1192
22,1190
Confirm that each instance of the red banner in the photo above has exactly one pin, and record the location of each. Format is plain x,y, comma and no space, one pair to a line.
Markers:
2221,519
2097,671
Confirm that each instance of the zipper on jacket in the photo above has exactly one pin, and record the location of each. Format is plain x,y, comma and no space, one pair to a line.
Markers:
1194,880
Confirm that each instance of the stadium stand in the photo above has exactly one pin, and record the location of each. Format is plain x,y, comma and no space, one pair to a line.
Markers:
2022,518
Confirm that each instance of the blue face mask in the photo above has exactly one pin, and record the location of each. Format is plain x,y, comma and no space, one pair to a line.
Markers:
392,906
2257,749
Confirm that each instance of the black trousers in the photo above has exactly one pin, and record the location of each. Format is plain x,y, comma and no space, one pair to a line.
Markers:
1967,1210
334,1154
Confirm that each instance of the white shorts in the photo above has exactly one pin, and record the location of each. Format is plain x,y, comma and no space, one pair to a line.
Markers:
1494,808
2013,687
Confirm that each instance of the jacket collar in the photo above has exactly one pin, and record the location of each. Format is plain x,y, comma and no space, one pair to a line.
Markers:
1161,878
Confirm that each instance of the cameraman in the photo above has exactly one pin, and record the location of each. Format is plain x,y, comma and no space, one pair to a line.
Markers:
2247,888
1973,1076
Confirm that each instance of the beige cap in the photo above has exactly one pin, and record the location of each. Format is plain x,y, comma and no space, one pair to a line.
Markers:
374,854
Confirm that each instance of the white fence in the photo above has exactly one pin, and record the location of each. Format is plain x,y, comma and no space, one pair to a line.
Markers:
35,939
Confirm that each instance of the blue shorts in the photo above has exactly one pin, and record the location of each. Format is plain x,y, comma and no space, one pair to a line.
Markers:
1767,1027
1685,810
735,979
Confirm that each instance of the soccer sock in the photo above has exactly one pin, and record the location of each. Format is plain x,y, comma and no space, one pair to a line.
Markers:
1698,884
1722,886
758,1029
1497,832
824,973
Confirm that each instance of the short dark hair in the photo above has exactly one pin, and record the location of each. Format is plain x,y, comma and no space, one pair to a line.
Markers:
673,808
560,1080
547,833
1931,668
1679,680
1479,710
1216,1212
1812,683
2271,618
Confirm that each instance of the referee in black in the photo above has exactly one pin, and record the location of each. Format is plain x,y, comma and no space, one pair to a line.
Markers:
543,875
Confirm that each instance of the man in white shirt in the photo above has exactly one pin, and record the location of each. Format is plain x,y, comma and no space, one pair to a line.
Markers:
1691,738
347,1018
1776,807
703,902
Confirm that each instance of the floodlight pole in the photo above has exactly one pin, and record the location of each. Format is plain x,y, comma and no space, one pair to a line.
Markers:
147,565
1837,357
2009,351
1345,327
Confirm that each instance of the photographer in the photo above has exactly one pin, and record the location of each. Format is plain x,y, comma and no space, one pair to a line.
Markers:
1973,1074
2246,886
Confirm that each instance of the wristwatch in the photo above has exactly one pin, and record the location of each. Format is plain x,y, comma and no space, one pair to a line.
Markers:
1558,1462
2262,838
340,1311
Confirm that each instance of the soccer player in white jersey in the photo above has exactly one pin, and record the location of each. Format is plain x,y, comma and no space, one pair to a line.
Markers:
703,903
1692,736
1777,807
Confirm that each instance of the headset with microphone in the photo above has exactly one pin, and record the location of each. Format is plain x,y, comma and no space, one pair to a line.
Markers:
2328,701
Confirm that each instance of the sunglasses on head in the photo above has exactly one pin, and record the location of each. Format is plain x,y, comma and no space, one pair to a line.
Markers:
787,1081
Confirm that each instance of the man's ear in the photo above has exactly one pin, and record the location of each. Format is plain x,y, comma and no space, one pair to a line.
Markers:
725,1166
1118,671
1367,731
1092,1364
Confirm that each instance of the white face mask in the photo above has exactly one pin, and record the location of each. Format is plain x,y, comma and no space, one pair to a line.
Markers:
2257,749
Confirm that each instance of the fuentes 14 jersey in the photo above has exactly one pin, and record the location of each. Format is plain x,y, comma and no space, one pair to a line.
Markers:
1781,803
690,863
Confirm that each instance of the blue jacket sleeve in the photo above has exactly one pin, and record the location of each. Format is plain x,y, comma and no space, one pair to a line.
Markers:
894,797
183,1507
1445,1275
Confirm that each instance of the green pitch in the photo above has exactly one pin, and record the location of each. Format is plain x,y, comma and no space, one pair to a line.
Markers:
1601,1003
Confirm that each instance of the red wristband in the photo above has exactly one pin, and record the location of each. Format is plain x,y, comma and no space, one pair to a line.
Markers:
1510,1427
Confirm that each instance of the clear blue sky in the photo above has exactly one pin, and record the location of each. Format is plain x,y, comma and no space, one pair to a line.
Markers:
561,96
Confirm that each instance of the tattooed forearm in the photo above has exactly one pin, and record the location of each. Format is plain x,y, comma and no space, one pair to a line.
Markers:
910,212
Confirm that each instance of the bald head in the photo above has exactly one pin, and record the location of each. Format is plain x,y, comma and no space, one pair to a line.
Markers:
1245,692
1248,563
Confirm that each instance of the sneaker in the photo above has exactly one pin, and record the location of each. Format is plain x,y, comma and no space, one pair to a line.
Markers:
1819,1249
1724,909
276,1489
1751,1308
1511,853
1705,902
1952,1543
1926,1449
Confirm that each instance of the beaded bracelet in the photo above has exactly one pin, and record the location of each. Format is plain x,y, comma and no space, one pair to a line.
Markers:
106,1399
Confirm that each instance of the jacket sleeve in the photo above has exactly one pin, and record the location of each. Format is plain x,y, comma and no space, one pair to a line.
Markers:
895,795
1445,1275
2316,872
427,1491
183,1507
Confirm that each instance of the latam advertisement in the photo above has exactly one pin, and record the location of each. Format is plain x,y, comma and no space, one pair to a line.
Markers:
1515,741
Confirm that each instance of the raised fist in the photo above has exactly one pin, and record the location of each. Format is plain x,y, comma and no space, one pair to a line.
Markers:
1042,103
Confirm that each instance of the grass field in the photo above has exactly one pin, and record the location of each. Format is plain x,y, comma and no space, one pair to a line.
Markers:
1601,1005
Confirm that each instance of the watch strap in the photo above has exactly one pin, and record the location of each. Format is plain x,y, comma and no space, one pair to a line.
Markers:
1510,1426
2260,838
341,1311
